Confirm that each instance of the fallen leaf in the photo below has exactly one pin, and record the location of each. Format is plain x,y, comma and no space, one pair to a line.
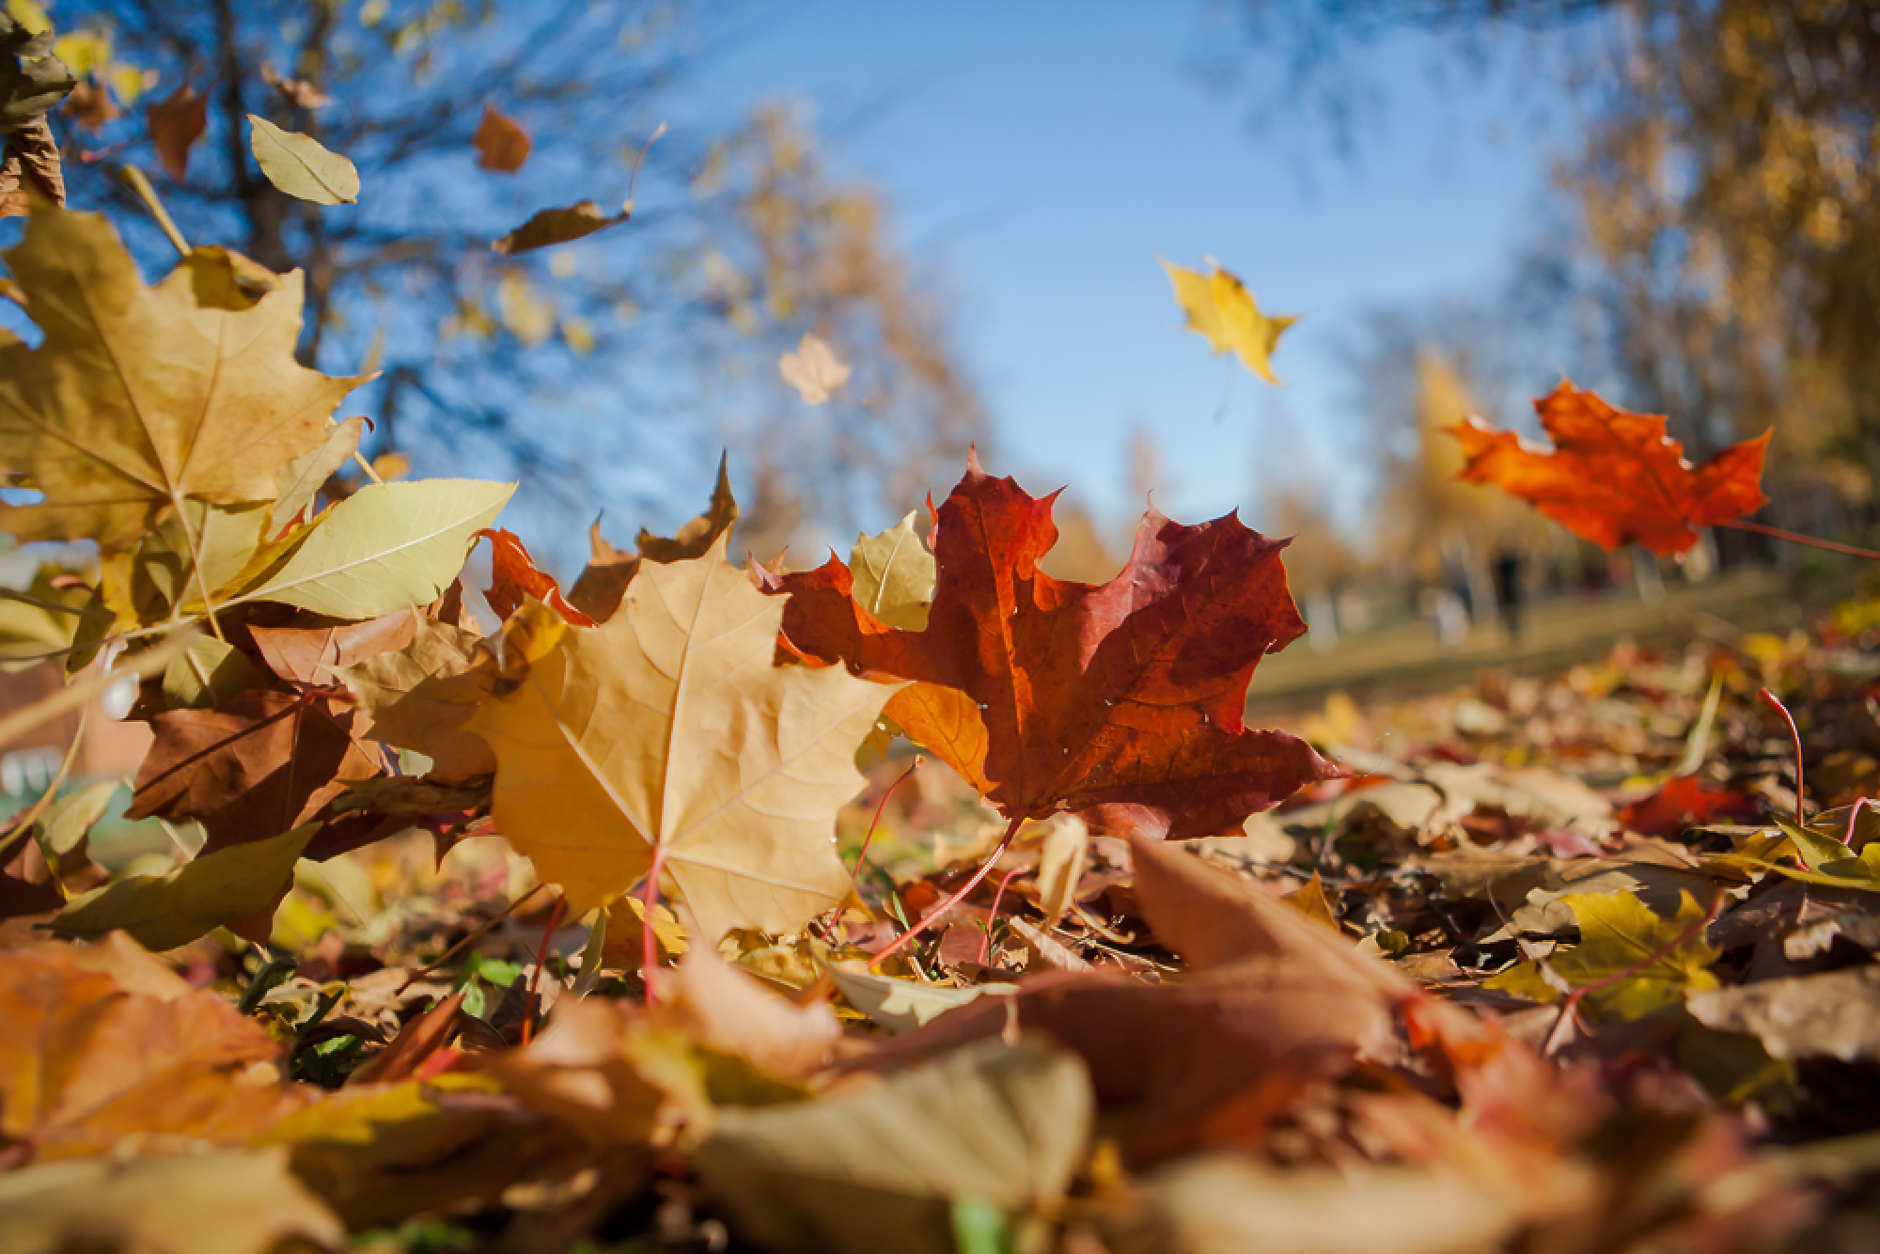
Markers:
139,398
224,1202
420,698
262,764
668,736
598,591
238,887
1223,312
813,370
501,143
581,1071
315,654
1617,933
1122,701
875,1169
298,165
726,1010
209,672
514,578
1833,1015
176,122
558,226
382,549
1614,477
1686,801
1061,865
903,1005
87,1068
894,576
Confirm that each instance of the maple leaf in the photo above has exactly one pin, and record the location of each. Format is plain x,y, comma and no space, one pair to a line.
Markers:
1613,476
514,579
86,1063
140,398
1123,701
813,370
598,591
501,143
666,739
1222,311
1685,801
420,697
1635,962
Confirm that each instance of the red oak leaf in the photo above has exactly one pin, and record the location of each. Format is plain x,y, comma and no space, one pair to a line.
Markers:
1614,477
1122,701
514,578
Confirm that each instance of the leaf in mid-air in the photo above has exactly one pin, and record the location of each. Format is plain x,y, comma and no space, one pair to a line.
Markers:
1222,311
558,226
1617,933
670,731
813,370
501,143
176,122
301,166
1123,700
140,398
1613,476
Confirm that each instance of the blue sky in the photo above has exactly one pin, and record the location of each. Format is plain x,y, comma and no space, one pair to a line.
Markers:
1043,155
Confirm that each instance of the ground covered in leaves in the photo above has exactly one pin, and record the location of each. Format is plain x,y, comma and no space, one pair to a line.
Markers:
1544,973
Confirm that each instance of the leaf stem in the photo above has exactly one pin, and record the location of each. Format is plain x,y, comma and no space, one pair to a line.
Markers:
541,960
649,939
1792,537
985,942
855,877
138,183
933,915
1773,702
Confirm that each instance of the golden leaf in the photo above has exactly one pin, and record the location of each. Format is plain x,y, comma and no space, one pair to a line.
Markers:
1222,311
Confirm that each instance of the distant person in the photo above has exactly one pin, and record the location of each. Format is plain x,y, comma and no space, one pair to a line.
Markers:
1508,590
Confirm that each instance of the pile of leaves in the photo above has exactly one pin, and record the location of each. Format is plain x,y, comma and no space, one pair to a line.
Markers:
530,919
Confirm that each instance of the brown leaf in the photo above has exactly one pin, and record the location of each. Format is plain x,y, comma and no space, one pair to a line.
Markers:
90,105
31,159
176,122
598,591
293,91
313,654
264,763
514,579
501,143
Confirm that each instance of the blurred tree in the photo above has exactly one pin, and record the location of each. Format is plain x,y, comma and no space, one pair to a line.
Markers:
565,365
1728,194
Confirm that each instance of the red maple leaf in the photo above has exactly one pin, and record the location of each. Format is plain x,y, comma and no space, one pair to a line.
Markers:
1614,477
1122,701
1685,801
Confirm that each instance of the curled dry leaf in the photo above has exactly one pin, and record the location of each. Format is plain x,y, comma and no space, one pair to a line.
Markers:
813,370
667,739
1613,476
1222,311
514,579
1122,701
30,168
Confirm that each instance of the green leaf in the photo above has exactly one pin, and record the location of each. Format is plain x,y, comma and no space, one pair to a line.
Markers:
385,548
880,1168
209,671
894,576
300,166
230,886
1617,932
68,819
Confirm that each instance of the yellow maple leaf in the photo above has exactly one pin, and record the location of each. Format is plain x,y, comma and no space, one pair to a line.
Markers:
140,398
667,740
1632,961
1222,311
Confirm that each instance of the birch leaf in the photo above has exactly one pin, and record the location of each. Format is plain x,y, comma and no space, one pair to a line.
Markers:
300,166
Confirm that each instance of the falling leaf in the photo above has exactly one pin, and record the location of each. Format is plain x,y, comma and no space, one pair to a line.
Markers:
1223,312
296,92
384,548
227,1202
86,1067
598,591
237,887
299,166
1613,476
894,576
558,226
1124,701
90,106
813,370
514,578
501,143
669,733
261,764
1617,933
176,122
875,1169
139,398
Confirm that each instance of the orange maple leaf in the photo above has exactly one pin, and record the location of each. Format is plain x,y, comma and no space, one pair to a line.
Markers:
1614,477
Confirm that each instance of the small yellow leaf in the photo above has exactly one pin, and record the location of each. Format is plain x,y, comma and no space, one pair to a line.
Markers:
1222,311
1617,933
813,370
300,166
